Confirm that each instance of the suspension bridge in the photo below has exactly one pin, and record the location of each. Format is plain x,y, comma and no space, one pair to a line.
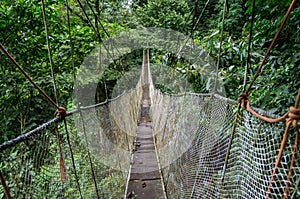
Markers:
148,144
179,146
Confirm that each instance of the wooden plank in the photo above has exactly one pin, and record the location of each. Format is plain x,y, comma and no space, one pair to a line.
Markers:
145,179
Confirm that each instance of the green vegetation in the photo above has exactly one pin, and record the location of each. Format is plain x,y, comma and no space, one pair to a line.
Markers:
22,33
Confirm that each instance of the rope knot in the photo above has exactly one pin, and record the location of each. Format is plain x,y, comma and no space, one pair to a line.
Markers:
60,112
242,99
294,115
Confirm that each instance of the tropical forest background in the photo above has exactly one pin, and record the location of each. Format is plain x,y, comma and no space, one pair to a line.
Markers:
22,33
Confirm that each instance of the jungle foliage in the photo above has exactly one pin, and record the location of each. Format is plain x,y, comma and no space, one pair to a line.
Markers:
22,33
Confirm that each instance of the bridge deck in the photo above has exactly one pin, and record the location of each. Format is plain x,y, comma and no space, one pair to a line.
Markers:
145,178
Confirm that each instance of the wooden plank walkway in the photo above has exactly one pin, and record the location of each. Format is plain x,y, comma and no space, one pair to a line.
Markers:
145,178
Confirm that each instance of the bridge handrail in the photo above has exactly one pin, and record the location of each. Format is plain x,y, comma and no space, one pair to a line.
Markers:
39,129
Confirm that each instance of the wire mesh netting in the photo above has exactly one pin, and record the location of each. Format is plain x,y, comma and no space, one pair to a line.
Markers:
94,160
192,138
192,135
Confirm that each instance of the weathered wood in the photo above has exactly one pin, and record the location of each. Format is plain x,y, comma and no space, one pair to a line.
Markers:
145,179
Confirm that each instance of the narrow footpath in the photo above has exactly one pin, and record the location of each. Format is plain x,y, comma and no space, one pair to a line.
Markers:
145,178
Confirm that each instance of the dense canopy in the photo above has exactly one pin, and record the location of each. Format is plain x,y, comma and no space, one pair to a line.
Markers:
75,28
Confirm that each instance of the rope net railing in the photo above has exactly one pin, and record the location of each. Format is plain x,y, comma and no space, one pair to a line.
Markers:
192,134
207,147
90,161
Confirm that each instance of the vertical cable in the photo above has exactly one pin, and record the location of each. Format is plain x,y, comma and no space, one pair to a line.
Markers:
76,94
72,159
216,82
63,176
89,154
235,122
220,46
72,49
249,46
49,52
